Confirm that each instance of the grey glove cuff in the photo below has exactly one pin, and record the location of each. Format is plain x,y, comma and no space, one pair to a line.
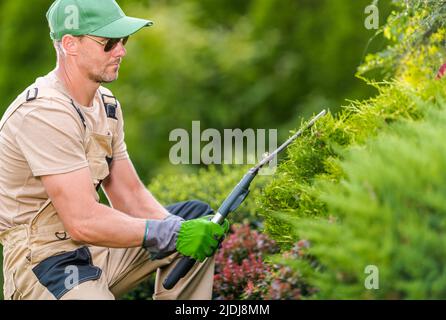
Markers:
161,235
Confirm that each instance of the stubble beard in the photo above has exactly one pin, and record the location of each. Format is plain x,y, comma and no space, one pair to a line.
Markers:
104,76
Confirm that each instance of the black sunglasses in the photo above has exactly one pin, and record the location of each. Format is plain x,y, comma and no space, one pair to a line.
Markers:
109,44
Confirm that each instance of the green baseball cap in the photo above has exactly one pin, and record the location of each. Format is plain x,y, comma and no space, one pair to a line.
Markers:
102,18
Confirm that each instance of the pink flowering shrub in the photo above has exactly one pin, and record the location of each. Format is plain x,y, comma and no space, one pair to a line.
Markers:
242,273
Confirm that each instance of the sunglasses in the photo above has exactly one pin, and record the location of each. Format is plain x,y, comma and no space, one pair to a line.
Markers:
109,44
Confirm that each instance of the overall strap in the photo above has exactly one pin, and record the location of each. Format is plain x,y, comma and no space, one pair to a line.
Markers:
81,115
110,105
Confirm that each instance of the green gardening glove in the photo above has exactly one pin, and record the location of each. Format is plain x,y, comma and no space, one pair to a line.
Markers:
225,224
199,238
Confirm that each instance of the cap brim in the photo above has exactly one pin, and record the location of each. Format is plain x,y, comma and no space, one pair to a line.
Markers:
122,27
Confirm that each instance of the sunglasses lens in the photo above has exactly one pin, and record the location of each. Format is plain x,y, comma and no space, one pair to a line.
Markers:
111,43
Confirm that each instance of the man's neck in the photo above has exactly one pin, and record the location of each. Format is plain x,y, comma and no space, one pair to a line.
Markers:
81,89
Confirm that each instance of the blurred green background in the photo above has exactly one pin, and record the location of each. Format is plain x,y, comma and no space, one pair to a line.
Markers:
229,64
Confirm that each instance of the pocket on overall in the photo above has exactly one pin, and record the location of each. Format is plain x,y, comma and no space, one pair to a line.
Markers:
98,150
98,167
63,272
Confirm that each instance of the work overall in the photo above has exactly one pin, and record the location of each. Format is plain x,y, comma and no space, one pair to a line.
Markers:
41,261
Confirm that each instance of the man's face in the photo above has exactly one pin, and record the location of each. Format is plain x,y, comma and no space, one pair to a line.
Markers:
98,65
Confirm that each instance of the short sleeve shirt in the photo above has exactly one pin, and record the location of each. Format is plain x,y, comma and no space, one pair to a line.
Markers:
44,137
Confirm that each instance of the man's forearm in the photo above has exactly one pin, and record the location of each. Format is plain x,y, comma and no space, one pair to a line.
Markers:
105,226
140,204
148,207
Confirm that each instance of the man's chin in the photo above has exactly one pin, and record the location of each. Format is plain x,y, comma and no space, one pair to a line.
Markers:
108,79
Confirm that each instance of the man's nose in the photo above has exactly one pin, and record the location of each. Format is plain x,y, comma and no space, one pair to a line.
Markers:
119,50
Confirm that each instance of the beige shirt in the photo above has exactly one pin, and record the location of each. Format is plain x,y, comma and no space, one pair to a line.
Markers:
43,137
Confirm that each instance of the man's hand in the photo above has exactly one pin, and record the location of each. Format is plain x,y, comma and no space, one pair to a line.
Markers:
199,238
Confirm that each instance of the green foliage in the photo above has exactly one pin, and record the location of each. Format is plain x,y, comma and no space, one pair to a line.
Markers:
417,34
366,187
390,210
314,156
25,48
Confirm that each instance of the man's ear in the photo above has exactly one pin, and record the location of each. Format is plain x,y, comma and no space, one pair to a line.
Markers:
70,45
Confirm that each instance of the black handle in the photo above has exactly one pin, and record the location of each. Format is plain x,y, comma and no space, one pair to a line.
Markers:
180,270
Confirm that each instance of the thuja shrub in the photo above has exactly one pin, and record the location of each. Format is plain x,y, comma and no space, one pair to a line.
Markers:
416,32
366,187
299,205
316,155
243,271
390,211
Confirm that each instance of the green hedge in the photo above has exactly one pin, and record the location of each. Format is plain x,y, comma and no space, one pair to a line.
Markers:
367,187
390,212
316,155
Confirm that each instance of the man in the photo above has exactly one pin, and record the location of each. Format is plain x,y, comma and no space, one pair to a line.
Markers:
61,139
